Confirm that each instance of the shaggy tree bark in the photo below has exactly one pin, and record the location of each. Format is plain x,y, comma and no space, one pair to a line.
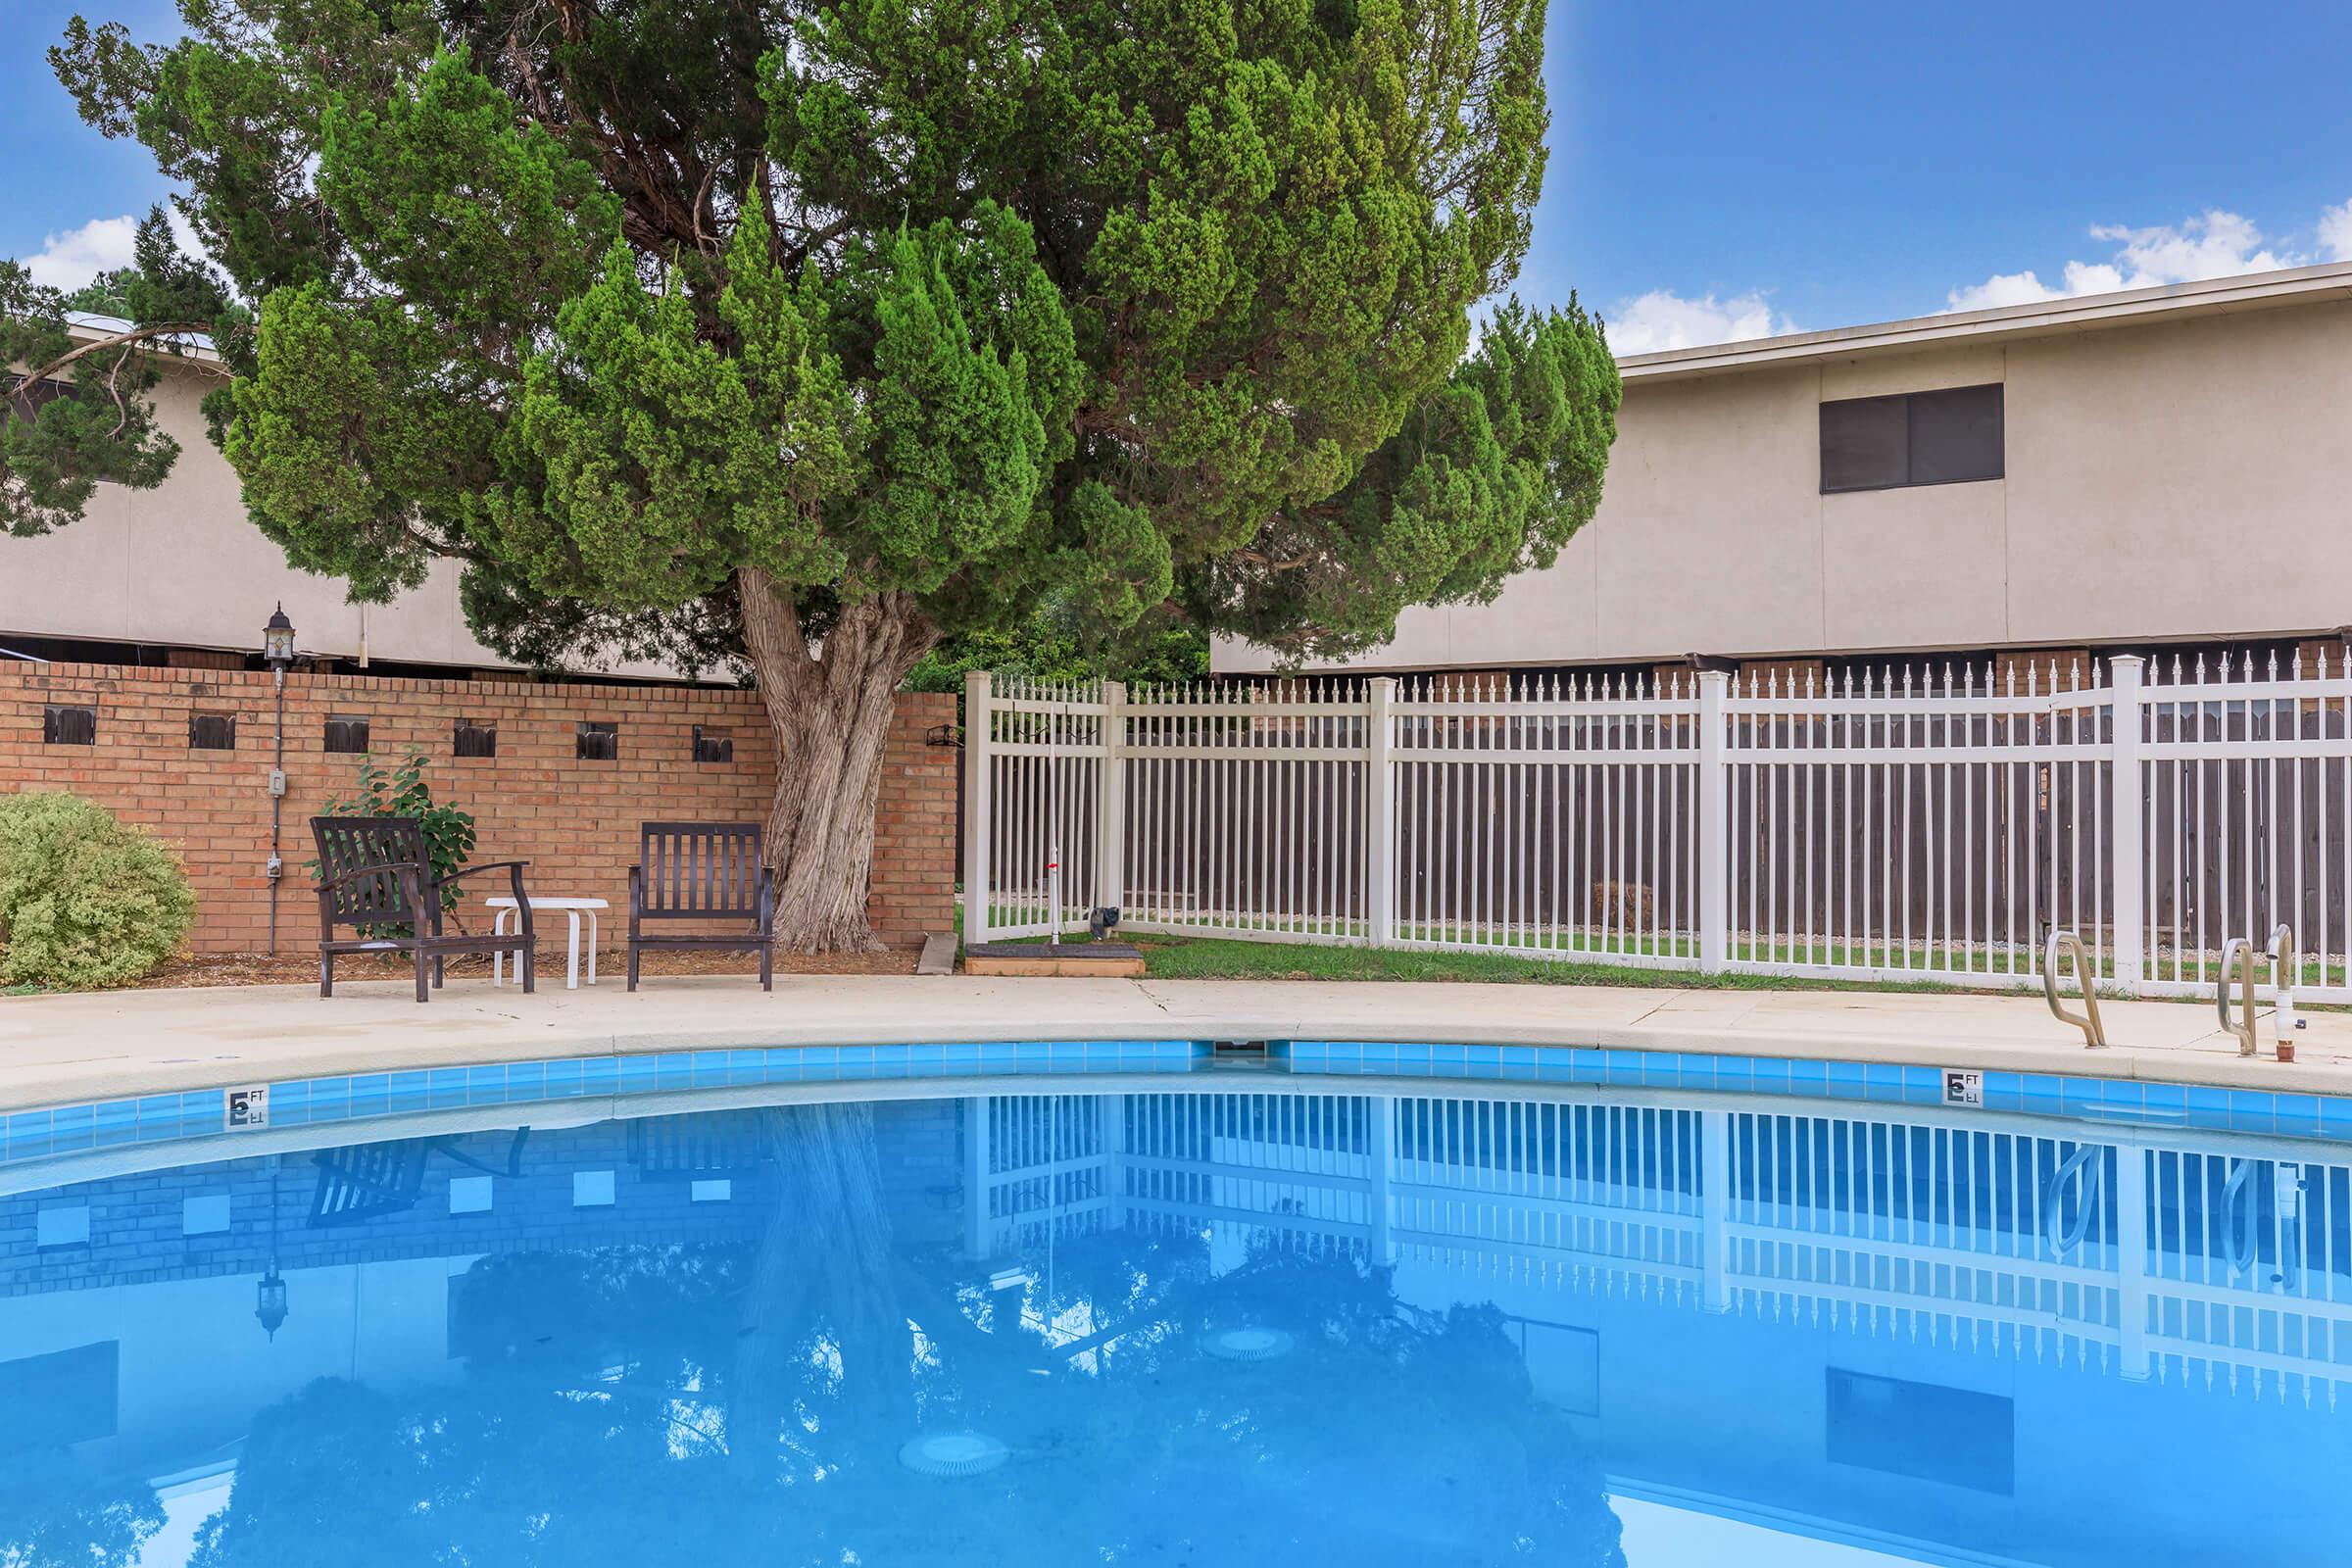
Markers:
830,708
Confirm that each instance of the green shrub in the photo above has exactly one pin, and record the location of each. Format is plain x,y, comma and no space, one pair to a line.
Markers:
401,790
84,901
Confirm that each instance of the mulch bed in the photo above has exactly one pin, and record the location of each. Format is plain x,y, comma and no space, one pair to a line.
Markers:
612,966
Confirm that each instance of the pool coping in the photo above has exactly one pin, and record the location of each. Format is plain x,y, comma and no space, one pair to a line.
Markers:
73,1049
367,1107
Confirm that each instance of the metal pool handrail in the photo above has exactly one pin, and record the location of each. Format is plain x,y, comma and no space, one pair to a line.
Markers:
2088,1165
2067,944
2241,951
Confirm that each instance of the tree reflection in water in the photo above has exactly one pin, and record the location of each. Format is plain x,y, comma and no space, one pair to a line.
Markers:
54,1514
706,1403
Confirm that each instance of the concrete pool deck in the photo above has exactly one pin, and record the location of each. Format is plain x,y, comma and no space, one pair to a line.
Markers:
111,1045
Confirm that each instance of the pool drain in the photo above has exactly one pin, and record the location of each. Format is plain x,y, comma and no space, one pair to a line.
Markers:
1248,1345
953,1454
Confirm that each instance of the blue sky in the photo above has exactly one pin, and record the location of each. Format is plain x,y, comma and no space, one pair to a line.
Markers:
1733,168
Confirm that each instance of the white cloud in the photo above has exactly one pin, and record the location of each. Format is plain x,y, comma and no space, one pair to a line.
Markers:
1664,320
75,257
2001,288
102,245
2212,244
2336,233
2217,244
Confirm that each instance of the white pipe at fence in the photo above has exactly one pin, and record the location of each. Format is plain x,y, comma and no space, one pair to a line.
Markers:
1869,829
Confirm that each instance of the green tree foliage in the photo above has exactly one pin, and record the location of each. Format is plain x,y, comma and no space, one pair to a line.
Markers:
84,901
57,1512
401,790
76,410
1163,647
805,333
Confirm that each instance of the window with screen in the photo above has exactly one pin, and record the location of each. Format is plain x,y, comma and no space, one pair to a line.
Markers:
1949,436
1959,1437
27,400
599,742
476,740
65,1396
212,732
712,745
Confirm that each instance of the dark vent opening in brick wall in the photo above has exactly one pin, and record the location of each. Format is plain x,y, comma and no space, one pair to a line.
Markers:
68,724
347,733
712,745
599,742
476,740
212,732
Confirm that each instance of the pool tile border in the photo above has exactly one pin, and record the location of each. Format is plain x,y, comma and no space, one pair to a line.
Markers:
2108,1100
308,1101
311,1101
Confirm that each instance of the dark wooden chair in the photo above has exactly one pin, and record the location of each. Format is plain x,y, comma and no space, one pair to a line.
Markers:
373,873
708,872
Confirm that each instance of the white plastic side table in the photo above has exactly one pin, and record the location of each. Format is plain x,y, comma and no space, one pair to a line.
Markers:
572,908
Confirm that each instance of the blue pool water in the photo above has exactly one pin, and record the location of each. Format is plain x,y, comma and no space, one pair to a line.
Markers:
1199,1317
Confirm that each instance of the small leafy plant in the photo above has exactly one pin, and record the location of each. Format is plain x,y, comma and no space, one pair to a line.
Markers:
401,790
84,901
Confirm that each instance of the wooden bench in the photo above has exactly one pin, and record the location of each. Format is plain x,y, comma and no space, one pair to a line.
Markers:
374,874
708,872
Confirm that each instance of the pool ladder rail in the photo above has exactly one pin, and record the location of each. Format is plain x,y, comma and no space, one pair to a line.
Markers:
2238,958
2068,945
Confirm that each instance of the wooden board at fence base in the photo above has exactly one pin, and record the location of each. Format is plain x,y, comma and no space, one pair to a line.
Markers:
1114,959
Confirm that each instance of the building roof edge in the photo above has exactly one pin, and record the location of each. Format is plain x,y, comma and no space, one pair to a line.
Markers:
2332,280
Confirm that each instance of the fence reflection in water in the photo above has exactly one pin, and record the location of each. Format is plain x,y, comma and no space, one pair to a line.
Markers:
2144,1251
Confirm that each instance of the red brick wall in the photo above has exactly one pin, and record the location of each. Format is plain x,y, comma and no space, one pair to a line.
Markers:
913,886
575,822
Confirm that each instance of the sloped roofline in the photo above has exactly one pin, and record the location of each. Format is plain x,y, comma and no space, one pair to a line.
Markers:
2295,285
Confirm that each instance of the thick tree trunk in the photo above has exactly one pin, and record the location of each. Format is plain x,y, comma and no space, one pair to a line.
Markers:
831,711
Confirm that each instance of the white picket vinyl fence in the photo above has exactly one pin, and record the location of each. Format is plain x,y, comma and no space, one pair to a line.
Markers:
1906,825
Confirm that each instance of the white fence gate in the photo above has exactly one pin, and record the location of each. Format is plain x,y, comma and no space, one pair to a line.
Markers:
1913,825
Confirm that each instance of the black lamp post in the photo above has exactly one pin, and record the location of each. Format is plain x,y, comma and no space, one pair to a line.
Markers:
277,649
277,641
270,1309
269,1299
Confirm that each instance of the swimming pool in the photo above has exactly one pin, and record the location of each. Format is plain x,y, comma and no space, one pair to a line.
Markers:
1181,1313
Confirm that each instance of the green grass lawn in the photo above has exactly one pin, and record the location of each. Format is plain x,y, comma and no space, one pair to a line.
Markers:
1226,958
1167,957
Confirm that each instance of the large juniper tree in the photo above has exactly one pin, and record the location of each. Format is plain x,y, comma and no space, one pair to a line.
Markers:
803,333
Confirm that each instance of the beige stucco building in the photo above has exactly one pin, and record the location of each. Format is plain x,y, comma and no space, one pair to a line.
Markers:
2168,465
150,576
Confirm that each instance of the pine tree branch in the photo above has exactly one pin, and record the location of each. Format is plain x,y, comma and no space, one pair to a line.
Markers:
114,340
